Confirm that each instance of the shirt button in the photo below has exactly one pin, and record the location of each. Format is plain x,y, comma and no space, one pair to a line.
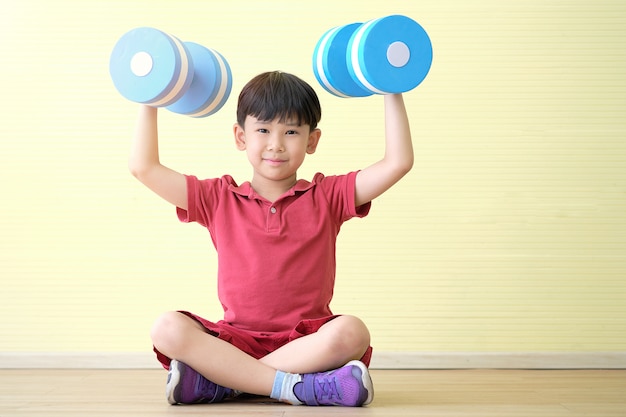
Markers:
273,210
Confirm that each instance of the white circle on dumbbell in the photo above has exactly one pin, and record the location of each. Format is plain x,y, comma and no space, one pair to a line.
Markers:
398,54
141,64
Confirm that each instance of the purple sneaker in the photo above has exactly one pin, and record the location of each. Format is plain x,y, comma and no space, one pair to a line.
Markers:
186,386
348,386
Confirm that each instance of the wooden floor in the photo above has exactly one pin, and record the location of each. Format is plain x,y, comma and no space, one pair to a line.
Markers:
458,393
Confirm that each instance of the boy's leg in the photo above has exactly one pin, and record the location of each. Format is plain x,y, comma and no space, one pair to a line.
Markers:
181,337
337,342
336,346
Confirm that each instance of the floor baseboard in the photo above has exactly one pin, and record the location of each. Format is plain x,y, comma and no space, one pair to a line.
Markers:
499,360
380,360
78,360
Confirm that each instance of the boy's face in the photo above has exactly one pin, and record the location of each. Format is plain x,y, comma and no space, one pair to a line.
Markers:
275,150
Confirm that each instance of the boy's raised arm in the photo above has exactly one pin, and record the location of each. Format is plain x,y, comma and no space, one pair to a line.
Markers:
145,165
398,159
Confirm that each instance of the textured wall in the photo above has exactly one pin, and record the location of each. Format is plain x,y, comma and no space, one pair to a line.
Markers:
508,235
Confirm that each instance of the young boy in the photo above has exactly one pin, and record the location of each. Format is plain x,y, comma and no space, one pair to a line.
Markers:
275,238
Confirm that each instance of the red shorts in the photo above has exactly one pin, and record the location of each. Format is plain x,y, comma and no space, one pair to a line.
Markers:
258,344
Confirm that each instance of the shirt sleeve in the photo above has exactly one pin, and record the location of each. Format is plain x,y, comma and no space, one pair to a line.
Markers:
340,193
202,197
362,210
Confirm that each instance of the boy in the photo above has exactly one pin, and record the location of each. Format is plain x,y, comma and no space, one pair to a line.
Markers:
275,238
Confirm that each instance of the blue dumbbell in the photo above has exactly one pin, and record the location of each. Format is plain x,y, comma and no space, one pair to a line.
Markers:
389,55
151,67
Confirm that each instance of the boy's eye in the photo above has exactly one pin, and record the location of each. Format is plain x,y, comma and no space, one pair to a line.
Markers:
262,130
292,132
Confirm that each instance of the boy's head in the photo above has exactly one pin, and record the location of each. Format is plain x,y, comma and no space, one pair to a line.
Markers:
279,95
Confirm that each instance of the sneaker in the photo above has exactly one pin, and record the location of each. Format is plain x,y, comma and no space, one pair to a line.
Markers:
186,386
348,386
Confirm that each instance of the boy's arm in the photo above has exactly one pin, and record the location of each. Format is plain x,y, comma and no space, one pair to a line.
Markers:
145,165
398,160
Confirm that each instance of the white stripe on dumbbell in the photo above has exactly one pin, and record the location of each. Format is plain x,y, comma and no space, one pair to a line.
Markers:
182,78
223,86
320,63
354,58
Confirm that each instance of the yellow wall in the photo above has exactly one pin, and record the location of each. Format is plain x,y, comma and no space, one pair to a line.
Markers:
508,235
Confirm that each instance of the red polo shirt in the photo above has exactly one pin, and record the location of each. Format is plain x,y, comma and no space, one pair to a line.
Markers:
276,261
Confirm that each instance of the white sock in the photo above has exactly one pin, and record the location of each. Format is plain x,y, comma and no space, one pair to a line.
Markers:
283,387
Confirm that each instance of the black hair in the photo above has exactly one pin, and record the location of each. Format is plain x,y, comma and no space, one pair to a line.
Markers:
277,94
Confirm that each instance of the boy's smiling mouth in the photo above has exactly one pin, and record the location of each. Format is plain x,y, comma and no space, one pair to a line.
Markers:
274,161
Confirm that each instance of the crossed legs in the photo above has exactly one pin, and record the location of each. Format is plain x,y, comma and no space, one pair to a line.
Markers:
337,342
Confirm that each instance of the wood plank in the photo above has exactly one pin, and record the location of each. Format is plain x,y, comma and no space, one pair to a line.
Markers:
458,393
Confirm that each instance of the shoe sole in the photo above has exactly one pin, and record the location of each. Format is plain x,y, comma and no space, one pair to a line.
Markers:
173,379
366,379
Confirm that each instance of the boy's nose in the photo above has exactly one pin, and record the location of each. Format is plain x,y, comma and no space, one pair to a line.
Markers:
275,144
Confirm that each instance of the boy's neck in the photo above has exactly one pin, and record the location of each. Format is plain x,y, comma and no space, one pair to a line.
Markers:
271,190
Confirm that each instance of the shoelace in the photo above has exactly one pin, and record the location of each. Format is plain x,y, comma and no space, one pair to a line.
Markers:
328,387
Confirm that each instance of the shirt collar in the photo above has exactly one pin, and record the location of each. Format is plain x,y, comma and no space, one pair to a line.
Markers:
246,189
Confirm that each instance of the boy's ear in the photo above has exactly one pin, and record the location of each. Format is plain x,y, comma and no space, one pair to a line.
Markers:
314,139
240,137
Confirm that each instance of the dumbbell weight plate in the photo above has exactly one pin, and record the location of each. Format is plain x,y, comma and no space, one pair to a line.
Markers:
389,55
330,66
150,67
211,85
